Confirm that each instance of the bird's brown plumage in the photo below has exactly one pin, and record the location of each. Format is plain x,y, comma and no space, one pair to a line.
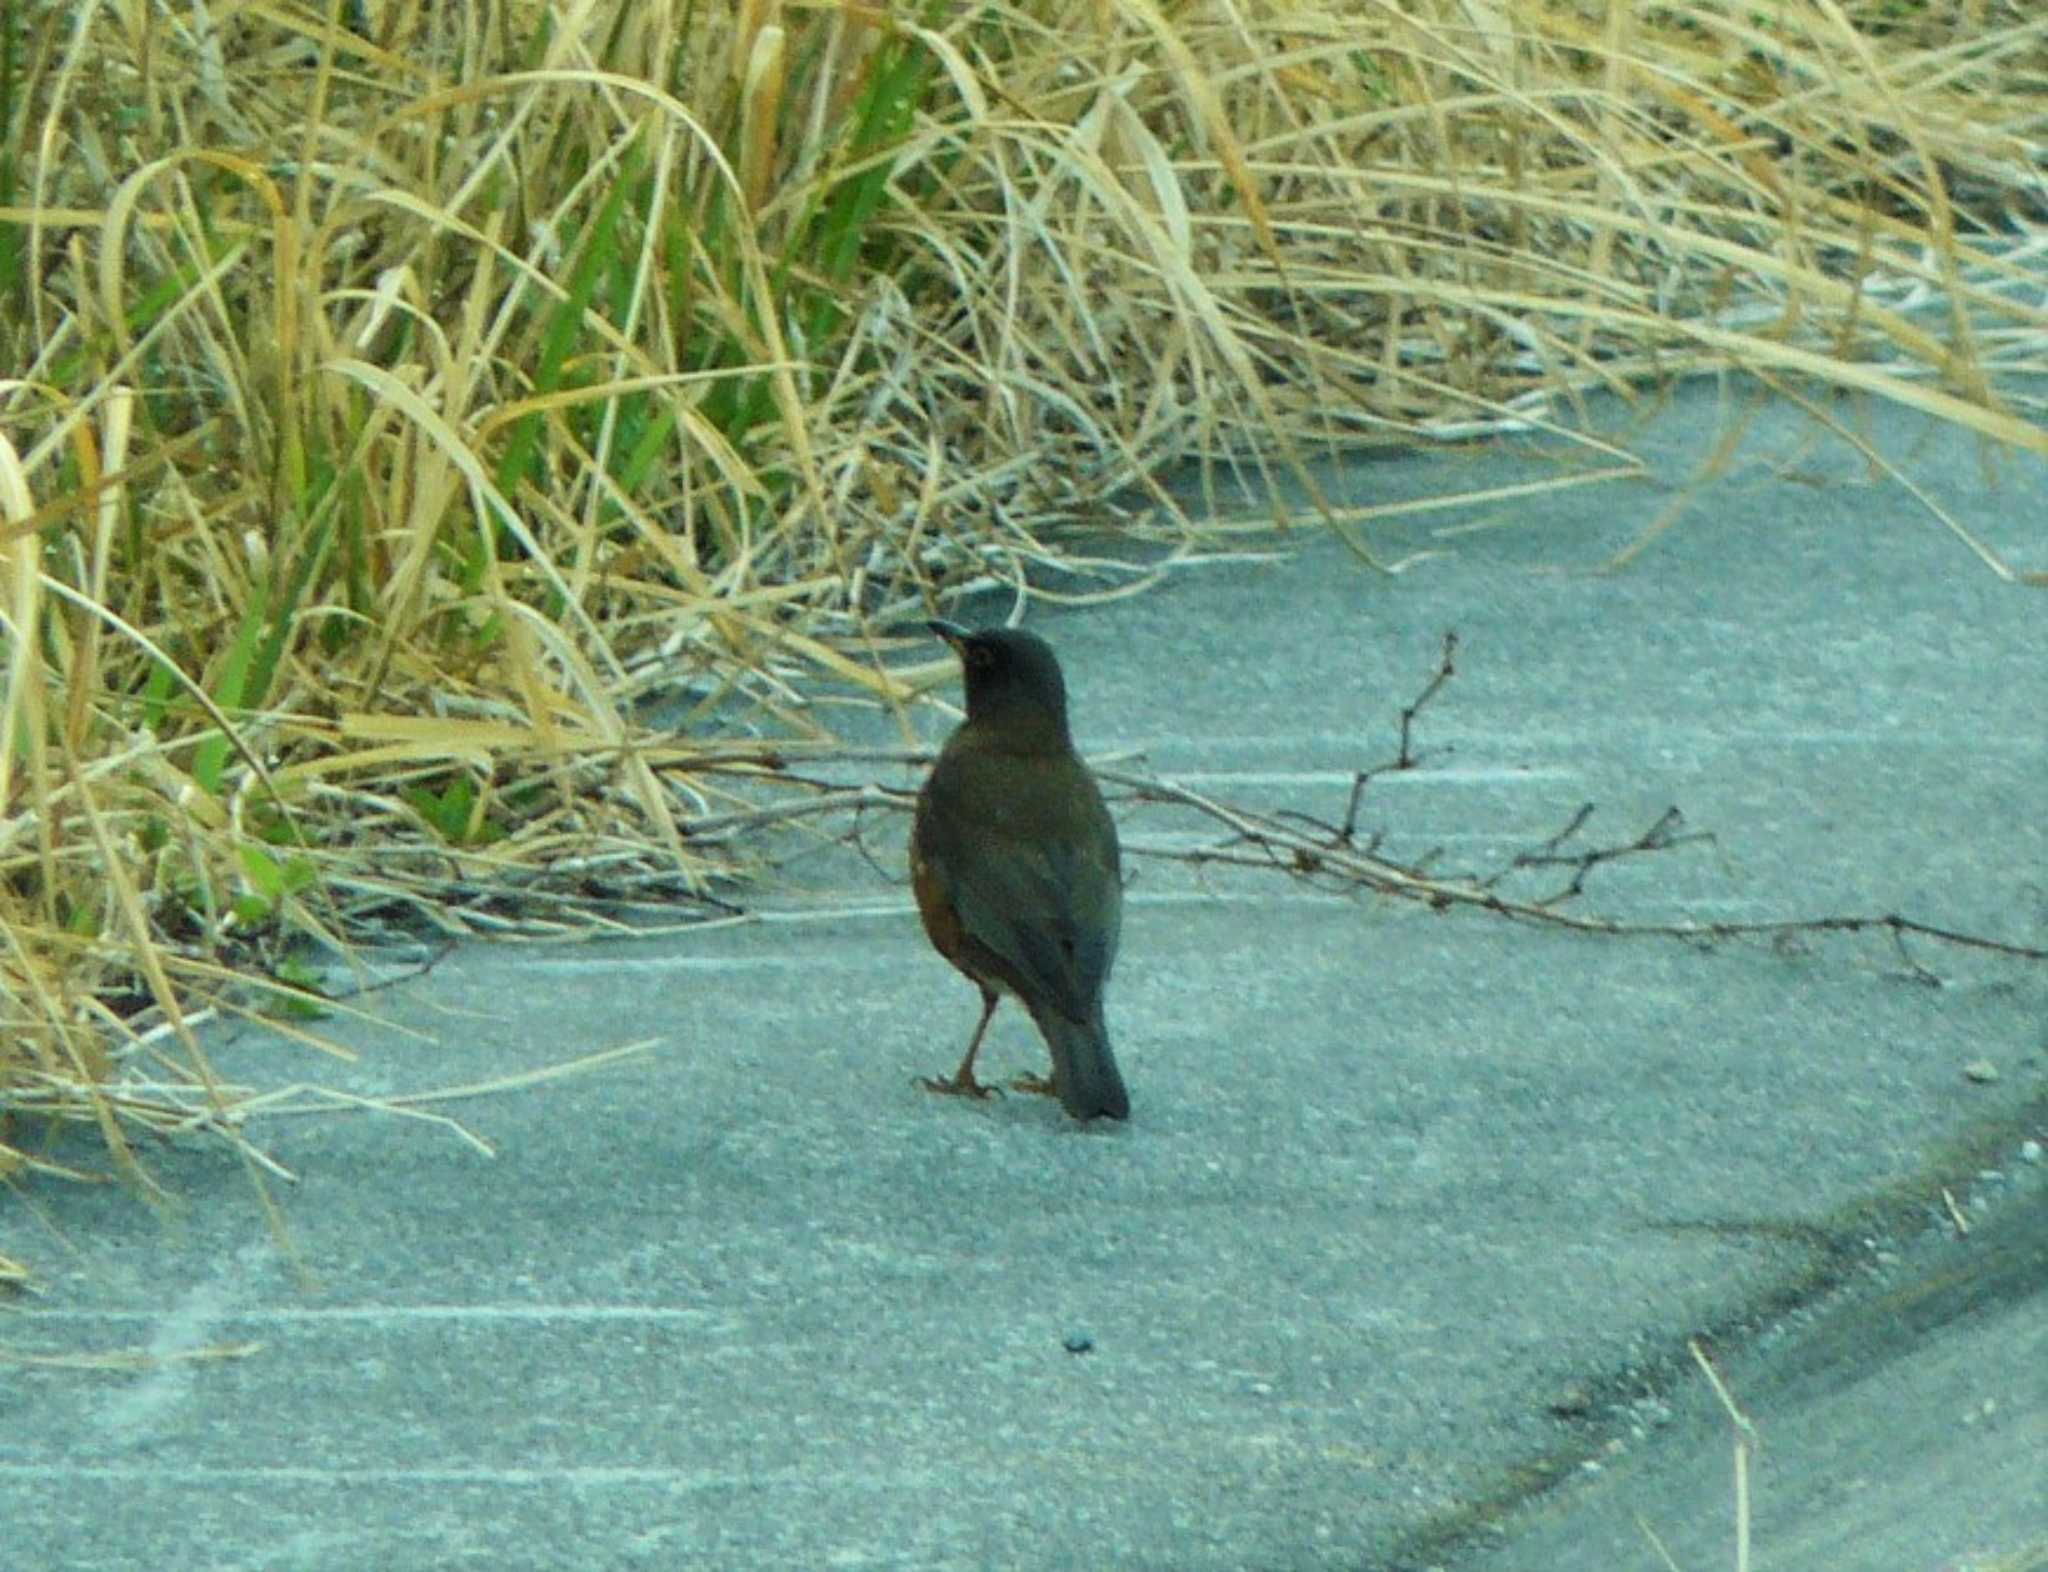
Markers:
1014,862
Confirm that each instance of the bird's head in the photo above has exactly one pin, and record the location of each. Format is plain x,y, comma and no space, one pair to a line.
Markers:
1013,680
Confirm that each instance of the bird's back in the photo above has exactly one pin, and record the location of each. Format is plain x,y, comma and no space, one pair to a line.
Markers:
1024,848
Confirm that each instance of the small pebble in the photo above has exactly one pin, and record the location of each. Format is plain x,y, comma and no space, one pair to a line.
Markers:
1982,1071
1079,1343
2030,1152
1572,1402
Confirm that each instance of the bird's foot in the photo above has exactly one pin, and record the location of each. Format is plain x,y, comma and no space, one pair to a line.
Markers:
962,1085
1038,1085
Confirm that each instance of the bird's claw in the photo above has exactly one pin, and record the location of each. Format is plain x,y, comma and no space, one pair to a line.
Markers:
1038,1085
958,1086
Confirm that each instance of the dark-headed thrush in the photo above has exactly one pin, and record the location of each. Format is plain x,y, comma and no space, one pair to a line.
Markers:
1013,857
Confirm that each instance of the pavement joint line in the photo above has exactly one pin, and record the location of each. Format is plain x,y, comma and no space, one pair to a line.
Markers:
286,1315
830,913
1500,741
1424,774
553,1475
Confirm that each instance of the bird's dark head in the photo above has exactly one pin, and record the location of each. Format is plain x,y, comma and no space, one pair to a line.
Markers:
1013,680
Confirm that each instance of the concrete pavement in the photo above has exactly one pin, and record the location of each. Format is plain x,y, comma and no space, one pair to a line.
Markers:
1397,1260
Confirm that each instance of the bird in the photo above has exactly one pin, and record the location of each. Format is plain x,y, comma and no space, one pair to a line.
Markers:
1015,866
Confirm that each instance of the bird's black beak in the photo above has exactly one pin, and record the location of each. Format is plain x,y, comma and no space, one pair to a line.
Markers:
951,632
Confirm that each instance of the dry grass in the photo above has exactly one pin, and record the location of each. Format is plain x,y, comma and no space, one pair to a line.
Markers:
400,393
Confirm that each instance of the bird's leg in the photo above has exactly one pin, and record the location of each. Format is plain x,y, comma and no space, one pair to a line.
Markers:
962,1082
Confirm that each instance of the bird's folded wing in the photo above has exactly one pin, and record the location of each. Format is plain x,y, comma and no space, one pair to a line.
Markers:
1041,910
1048,907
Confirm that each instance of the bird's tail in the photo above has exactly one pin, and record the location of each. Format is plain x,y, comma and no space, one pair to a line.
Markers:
1083,1068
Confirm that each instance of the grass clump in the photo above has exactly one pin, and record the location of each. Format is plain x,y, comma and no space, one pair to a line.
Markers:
397,394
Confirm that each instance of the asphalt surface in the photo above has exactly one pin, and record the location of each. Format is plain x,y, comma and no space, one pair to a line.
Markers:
1401,1257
